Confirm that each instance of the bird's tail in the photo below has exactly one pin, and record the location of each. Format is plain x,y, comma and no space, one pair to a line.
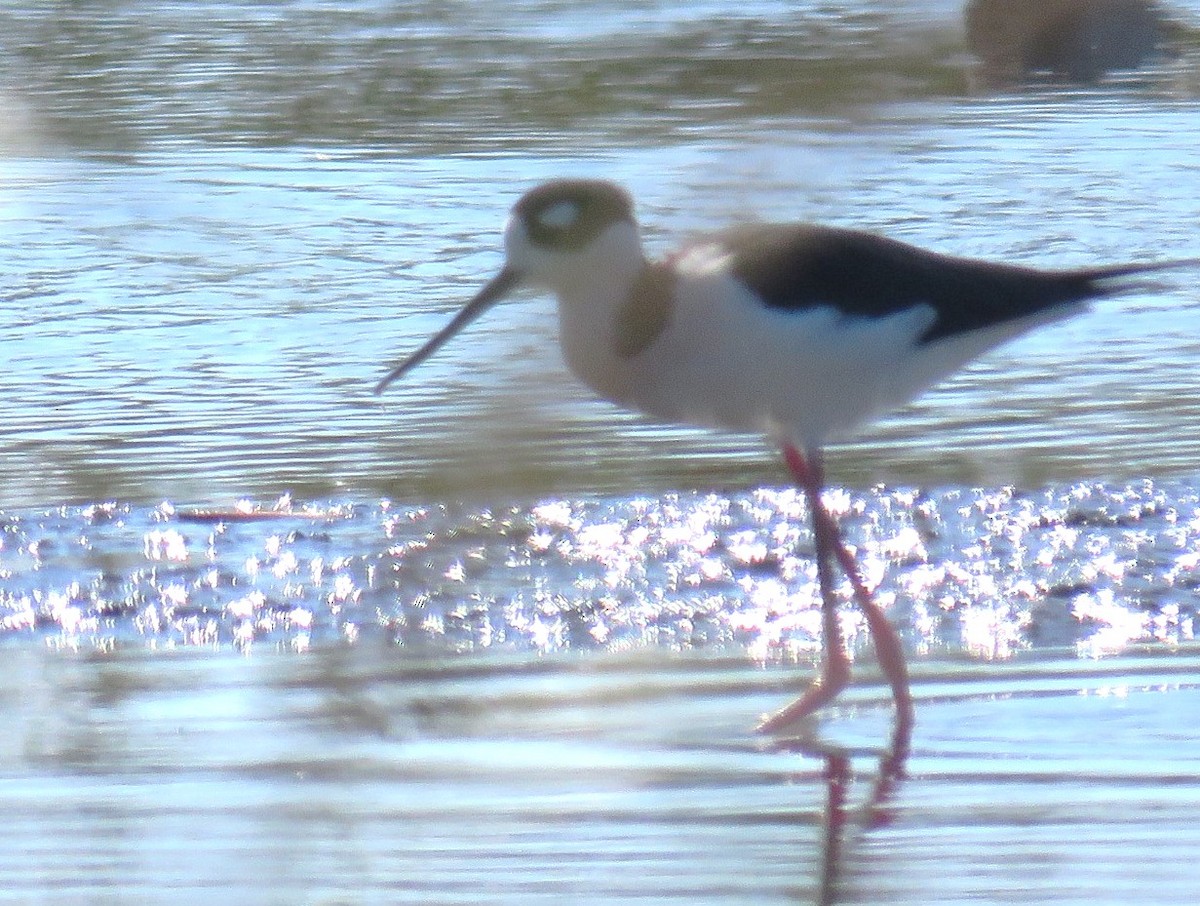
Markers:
1125,277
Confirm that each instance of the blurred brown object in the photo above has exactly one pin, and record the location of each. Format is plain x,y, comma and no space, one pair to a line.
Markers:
1067,40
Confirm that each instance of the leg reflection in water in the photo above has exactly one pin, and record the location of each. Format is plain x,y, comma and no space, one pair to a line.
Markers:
875,812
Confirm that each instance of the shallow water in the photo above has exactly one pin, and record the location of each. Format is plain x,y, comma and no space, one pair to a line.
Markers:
356,776
220,231
485,639
1088,569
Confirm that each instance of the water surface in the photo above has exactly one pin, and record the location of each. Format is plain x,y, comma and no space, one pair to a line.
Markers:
273,639
356,778
219,234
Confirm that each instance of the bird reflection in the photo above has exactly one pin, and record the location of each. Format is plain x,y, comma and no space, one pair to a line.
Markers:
877,811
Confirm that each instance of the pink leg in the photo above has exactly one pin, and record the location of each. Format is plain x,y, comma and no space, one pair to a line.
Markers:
835,663
835,672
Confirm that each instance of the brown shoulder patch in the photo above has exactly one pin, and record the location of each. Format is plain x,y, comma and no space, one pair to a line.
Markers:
642,318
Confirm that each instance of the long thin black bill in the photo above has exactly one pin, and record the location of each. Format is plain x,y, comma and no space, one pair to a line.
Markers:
495,290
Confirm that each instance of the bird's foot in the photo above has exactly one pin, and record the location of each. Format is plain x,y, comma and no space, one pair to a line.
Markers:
834,678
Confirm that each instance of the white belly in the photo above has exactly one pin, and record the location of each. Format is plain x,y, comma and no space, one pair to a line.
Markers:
726,361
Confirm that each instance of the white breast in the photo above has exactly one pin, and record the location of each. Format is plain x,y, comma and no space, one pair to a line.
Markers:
726,361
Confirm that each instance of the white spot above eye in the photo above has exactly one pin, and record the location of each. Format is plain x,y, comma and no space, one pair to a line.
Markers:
559,215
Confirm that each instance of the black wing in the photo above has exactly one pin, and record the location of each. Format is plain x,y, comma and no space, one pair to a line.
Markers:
864,275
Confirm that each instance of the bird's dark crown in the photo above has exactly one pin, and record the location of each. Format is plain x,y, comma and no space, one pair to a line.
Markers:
570,213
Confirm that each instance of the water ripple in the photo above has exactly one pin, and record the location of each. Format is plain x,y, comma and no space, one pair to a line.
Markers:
1089,568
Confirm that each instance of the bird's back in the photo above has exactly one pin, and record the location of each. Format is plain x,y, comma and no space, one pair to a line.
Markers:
808,331
868,276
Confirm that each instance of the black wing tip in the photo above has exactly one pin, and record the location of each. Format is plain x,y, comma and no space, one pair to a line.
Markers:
1118,278
1117,271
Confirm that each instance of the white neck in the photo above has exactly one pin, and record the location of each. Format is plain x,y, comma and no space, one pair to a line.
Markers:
591,286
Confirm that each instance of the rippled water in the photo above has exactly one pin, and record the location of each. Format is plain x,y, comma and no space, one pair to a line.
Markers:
219,234
353,777
1089,569
485,638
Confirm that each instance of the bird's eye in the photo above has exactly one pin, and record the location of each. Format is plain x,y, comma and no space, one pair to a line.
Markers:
559,216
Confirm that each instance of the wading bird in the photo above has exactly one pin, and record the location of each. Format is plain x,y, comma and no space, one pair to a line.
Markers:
797,332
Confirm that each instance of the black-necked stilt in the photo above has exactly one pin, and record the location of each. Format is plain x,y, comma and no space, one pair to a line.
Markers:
798,332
